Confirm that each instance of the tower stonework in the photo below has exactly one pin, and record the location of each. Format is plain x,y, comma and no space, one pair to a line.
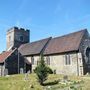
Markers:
16,37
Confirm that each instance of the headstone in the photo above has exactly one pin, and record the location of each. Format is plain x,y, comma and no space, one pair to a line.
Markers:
26,76
6,72
54,71
65,78
28,72
21,70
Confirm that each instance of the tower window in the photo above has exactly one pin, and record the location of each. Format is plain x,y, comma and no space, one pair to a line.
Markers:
21,38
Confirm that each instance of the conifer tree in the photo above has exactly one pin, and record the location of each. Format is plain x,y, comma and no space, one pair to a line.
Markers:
41,71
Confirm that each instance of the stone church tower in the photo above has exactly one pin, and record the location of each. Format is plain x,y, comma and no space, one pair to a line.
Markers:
15,37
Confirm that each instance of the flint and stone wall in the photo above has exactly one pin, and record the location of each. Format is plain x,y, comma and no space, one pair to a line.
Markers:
57,63
35,62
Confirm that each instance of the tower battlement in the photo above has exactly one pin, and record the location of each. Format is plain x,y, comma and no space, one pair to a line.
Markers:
17,36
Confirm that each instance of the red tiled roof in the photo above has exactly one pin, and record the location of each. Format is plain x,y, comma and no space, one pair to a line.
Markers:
66,43
5,55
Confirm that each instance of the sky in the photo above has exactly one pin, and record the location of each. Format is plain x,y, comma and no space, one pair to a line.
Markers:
44,18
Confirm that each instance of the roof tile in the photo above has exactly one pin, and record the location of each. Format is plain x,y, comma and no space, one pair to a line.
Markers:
33,48
4,56
66,43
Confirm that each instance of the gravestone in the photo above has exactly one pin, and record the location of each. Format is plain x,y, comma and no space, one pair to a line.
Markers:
26,76
6,72
21,71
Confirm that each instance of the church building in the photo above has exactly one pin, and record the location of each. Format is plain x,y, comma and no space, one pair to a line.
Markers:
68,54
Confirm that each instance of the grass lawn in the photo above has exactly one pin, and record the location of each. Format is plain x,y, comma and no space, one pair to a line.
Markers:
18,82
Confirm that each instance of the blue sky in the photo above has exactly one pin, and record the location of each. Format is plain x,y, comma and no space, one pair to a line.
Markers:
44,18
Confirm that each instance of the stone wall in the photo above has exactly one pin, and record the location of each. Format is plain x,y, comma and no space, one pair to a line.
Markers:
57,63
83,47
10,39
35,62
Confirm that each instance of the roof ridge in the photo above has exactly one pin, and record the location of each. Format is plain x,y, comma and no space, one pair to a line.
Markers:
34,47
83,30
41,40
34,42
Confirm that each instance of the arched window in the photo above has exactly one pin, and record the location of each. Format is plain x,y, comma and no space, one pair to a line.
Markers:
88,54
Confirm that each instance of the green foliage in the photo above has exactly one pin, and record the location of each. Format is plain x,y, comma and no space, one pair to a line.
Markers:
41,71
49,70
